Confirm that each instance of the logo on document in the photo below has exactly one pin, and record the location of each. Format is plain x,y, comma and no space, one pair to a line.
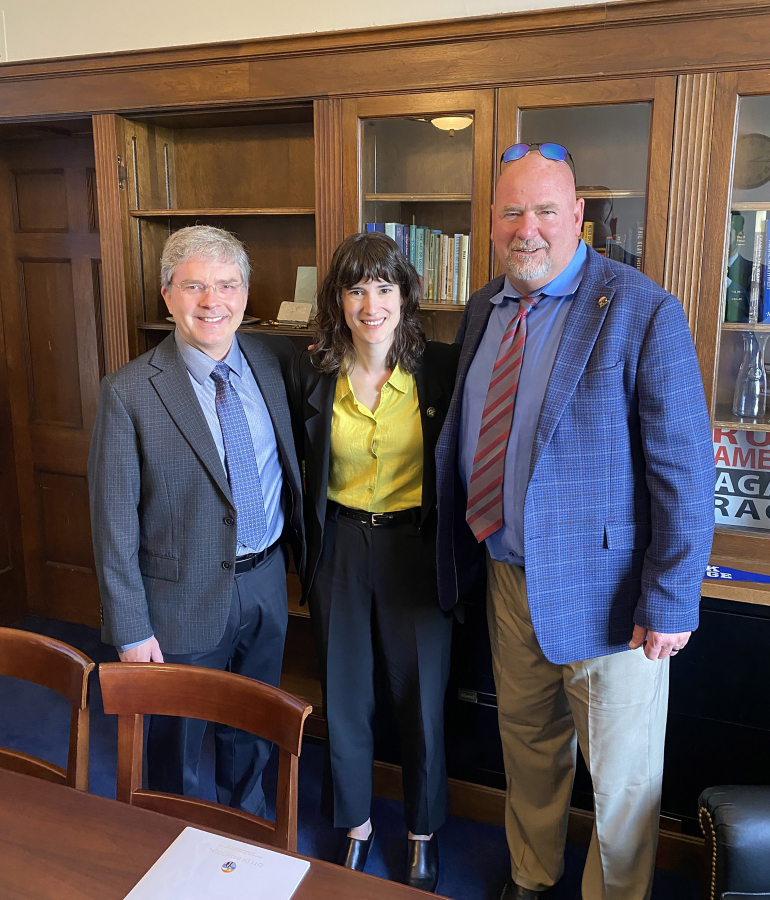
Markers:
228,867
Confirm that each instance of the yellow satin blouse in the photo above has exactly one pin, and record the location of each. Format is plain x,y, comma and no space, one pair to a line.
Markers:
375,458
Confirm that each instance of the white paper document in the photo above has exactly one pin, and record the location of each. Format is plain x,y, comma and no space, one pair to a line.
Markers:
203,866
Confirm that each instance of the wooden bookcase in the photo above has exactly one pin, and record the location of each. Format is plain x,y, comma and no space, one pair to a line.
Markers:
251,172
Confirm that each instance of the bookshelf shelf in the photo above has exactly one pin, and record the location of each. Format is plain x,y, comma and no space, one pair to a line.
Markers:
419,198
612,195
439,305
744,326
225,211
750,205
741,426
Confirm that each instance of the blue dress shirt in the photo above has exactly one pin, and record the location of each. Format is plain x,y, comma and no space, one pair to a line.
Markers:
545,325
199,368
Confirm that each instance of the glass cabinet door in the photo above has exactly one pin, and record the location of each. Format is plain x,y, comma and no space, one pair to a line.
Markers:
734,319
619,135
418,168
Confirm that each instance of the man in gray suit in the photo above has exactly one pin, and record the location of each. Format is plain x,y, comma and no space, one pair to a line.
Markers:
195,495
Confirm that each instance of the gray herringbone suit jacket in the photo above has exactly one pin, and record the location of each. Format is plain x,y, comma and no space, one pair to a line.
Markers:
163,519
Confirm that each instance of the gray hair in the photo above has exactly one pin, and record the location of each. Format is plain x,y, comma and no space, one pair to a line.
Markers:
203,242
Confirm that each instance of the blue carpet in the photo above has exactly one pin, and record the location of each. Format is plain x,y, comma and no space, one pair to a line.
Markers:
474,856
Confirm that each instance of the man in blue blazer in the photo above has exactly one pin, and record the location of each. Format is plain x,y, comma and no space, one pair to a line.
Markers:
579,429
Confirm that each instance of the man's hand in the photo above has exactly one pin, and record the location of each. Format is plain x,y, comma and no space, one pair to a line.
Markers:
658,645
149,651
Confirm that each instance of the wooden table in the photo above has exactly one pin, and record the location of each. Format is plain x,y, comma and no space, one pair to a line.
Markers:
57,843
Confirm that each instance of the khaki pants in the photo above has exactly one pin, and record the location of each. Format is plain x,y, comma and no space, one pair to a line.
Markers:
615,707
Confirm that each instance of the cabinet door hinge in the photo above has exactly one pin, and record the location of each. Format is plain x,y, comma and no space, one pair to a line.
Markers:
122,174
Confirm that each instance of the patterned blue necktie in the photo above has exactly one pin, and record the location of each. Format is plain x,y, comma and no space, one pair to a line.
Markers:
242,469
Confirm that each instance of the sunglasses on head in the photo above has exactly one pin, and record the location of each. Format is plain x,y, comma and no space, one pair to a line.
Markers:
547,150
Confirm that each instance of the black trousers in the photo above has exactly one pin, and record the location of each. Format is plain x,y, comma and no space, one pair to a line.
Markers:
378,585
252,645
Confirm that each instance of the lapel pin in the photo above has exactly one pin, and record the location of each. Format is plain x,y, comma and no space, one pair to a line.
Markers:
430,412
603,301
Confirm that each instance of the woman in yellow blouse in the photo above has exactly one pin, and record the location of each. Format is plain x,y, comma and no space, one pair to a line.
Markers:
373,399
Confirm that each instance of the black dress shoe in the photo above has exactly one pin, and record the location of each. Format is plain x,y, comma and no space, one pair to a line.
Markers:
354,853
513,891
422,864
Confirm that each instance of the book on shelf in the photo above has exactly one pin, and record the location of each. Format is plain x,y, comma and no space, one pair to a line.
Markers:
588,233
463,273
440,260
758,276
639,246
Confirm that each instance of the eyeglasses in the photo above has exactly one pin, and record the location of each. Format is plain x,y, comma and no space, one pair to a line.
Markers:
548,150
198,289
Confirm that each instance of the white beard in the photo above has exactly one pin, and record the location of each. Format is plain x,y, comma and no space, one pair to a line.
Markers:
527,269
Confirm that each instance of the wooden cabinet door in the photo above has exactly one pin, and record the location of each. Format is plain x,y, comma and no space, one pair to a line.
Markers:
50,263
419,167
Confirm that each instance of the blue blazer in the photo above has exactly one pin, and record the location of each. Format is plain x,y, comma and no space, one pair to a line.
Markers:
619,515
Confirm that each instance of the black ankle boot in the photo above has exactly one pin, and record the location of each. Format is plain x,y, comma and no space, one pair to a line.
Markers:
422,864
354,853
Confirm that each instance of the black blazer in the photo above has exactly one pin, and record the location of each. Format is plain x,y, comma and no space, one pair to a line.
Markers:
314,398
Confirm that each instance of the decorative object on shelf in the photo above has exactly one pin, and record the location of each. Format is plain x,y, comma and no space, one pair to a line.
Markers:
752,161
306,286
750,398
291,313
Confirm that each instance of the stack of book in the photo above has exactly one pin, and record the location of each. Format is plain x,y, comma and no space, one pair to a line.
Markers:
441,260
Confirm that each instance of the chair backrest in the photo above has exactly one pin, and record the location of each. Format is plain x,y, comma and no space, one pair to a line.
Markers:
55,665
133,690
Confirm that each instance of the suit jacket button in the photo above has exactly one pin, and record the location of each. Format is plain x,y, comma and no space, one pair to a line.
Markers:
227,565
229,520
430,412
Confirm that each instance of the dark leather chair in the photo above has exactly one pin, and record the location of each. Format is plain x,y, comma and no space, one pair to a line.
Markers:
736,824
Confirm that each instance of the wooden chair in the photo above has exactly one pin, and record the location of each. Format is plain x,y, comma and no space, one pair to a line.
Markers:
133,690
55,665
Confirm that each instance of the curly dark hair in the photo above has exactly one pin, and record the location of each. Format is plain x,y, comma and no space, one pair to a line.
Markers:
368,256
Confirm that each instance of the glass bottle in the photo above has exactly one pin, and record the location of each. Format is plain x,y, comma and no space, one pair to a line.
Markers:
749,400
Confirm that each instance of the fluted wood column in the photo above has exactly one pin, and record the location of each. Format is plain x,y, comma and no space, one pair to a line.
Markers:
693,124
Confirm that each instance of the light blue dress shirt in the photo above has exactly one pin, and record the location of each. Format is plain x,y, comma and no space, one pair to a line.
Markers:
199,368
545,325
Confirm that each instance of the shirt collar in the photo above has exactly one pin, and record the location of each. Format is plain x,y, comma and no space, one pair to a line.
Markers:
398,379
200,366
565,284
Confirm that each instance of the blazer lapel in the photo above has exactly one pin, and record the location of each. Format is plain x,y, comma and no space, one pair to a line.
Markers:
428,395
269,378
317,415
172,382
581,330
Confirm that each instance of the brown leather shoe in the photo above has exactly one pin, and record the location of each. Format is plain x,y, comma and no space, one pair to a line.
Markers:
513,891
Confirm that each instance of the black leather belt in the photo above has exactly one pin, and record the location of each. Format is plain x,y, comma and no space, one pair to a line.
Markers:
251,560
377,520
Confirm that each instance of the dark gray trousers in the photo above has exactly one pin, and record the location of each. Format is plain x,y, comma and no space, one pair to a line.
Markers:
252,645
378,585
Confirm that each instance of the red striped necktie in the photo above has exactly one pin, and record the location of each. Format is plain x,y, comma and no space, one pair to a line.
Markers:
485,492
